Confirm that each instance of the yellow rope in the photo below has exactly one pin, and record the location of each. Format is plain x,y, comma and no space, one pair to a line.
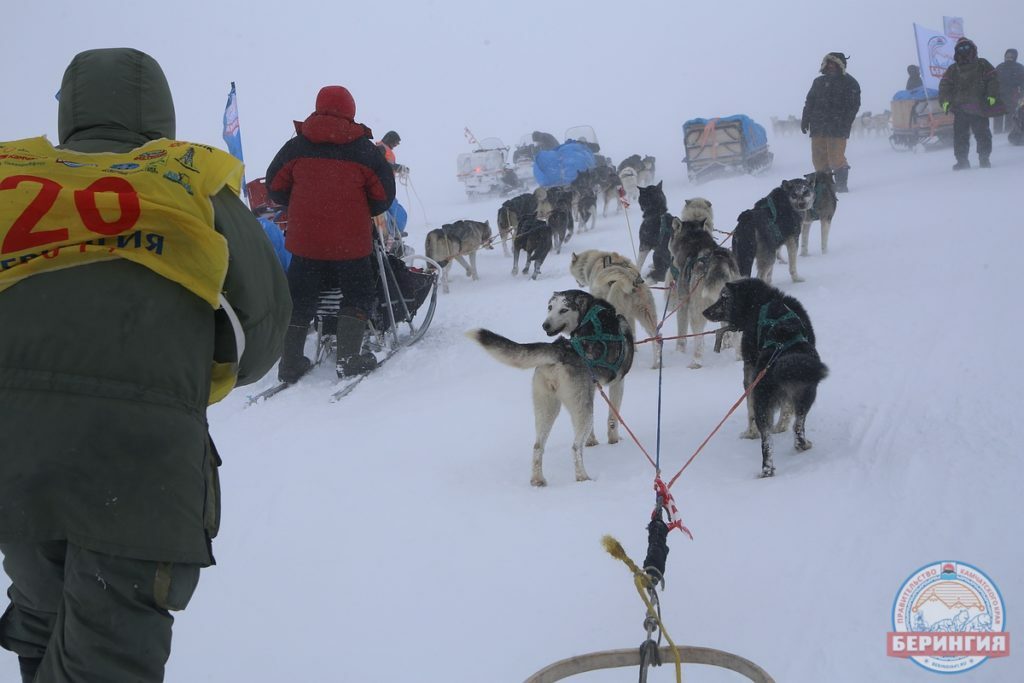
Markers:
643,583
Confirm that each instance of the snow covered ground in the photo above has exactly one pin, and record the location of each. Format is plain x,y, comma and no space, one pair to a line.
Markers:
395,536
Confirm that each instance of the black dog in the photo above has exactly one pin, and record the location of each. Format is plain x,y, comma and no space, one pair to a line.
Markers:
509,213
560,218
534,237
774,221
779,340
655,231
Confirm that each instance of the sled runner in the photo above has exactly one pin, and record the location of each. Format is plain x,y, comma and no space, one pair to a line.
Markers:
724,146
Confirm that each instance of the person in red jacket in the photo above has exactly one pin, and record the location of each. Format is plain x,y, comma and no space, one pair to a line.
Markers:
333,180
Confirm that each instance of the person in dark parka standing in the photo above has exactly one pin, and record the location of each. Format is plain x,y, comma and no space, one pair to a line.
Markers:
969,88
829,111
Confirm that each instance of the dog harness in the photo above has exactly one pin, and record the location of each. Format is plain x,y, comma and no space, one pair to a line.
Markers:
819,191
773,224
601,337
687,272
765,325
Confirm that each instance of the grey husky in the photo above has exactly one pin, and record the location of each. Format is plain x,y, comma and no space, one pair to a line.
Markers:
599,348
823,209
703,268
454,241
774,221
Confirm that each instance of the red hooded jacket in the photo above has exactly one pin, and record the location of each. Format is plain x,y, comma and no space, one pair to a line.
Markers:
333,180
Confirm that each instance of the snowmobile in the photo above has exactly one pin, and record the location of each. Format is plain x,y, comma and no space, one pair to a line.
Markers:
483,171
522,161
726,145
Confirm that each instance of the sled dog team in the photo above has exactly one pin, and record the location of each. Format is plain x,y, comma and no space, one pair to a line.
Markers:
704,282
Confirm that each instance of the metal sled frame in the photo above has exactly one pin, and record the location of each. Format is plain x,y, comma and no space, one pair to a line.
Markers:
392,339
614,659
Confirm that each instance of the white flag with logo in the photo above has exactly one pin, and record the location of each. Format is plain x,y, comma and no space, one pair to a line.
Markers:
953,27
934,54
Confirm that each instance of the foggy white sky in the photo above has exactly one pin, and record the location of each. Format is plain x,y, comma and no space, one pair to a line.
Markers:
633,70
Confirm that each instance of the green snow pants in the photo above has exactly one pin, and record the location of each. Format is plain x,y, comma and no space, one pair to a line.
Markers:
77,616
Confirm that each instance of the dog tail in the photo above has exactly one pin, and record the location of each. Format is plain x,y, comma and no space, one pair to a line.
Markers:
512,353
800,368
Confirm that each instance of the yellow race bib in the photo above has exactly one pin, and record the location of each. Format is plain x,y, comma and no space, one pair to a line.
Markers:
60,209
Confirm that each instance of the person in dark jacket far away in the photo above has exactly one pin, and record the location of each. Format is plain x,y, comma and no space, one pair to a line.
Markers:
142,290
333,180
387,146
914,77
1011,88
831,106
968,88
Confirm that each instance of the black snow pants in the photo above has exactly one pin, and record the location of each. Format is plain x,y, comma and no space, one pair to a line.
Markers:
307,278
963,125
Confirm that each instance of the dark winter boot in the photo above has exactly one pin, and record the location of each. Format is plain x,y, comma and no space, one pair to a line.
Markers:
29,666
352,360
962,164
984,162
842,175
293,364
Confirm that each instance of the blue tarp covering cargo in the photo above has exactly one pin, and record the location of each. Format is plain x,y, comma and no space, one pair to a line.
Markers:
754,134
723,145
921,93
561,165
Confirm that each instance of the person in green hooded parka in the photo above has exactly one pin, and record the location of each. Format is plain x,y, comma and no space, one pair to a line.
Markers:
109,496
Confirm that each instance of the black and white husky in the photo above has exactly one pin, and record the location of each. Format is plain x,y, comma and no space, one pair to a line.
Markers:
599,348
778,339
655,231
774,221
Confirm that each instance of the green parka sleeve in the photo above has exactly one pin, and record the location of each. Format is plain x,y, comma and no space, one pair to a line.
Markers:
256,288
990,78
947,84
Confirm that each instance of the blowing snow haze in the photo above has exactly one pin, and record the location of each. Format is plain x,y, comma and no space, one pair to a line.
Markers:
633,71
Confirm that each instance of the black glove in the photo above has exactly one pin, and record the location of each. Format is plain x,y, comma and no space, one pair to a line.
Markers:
804,127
